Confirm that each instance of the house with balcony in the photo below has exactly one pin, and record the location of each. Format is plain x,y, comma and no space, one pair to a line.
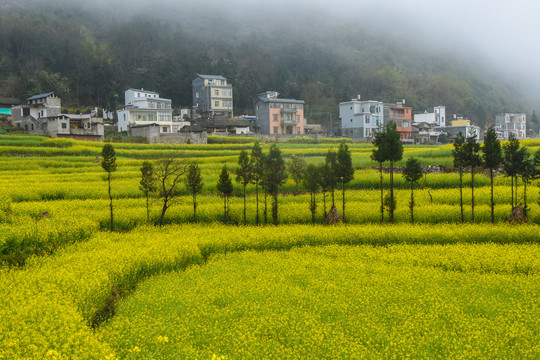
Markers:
400,115
510,123
212,96
279,116
361,118
143,107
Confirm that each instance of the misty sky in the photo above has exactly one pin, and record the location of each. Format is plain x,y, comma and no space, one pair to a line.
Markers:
501,33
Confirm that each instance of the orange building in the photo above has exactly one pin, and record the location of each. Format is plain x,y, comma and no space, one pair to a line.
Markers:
402,116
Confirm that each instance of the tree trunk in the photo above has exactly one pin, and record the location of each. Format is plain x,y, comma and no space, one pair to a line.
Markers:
333,202
194,207
392,192
343,191
111,202
412,202
147,209
512,187
472,194
461,192
275,208
525,198
382,195
313,208
245,221
324,204
492,203
257,200
163,210
225,208
265,208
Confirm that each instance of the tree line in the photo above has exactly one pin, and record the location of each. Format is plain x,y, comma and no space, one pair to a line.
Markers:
162,178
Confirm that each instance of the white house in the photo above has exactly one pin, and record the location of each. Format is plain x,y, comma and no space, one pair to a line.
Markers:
437,117
360,118
143,107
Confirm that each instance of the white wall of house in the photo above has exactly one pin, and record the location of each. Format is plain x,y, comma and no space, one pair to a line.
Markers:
360,118
437,117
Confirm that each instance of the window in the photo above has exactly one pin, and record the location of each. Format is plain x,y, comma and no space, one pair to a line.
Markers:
351,120
297,130
367,120
274,117
64,126
216,92
216,104
164,129
32,126
197,95
275,130
26,128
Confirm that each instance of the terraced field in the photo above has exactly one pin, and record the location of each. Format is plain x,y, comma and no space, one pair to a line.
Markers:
436,289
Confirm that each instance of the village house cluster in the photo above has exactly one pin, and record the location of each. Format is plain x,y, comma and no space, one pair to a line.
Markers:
146,114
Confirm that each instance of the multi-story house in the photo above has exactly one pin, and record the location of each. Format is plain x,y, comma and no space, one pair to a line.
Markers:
512,124
40,114
212,96
437,117
143,107
400,115
361,119
279,116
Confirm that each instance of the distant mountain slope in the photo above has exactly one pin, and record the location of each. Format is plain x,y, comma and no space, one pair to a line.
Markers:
88,55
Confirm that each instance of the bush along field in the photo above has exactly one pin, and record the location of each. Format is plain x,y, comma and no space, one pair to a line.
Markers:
378,286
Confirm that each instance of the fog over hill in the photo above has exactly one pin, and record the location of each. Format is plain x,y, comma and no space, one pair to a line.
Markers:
476,57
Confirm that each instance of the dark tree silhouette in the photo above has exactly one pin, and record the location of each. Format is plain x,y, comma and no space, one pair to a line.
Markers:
243,175
473,159
276,175
297,168
459,163
312,182
257,172
344,170
168,173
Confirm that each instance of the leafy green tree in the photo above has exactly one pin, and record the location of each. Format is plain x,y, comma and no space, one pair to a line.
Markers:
276,176
513,155
109,166
412,172
492,156
312,182
473,160
225,187
147,184
257,172
194,184
297,168
344,170
244,175
378,156
168,174
460,162
330,178
392,151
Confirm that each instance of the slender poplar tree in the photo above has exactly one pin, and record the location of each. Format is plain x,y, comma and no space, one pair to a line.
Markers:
492,156
344,170
225,187
412,172
330,173
276,170
473,160
312,182
297,168
194,184
513,155
392,150
459,163
244,175
378,156
257,172
147,184
109,166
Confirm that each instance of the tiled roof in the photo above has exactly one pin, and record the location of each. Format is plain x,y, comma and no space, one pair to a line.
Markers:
216,77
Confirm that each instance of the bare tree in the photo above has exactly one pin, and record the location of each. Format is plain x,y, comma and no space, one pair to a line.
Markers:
168,173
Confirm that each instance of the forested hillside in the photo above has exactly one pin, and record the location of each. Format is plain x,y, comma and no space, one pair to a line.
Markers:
89,55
